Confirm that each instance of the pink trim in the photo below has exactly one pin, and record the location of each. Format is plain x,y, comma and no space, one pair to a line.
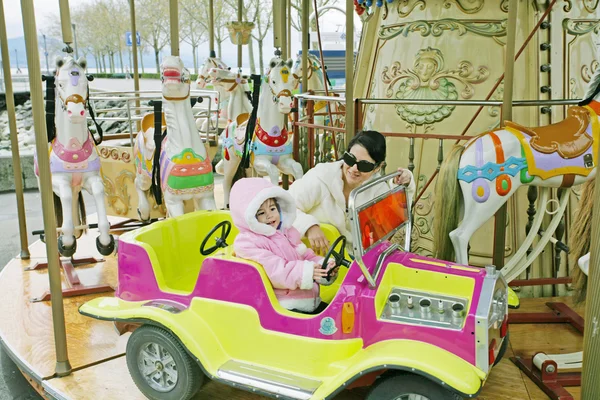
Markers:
75,153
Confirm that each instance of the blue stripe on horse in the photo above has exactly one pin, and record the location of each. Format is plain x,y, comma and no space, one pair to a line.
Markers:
491,171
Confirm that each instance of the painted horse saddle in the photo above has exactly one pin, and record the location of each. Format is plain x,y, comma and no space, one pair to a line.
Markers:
568,138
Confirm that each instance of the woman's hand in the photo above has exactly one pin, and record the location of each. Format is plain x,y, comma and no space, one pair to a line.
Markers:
319,272
404,178
317,239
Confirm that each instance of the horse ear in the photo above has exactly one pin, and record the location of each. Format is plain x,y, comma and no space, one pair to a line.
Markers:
273,64
82,62
289,63
59,61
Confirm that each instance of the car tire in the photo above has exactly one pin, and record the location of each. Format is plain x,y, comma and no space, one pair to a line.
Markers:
502,350
152,348
409,386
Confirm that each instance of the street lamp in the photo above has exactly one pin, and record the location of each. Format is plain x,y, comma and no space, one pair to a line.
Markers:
17,57
75,41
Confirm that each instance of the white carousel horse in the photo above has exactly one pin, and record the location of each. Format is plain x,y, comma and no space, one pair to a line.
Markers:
223,97
234,135
74,160
185,169
271,146
481,175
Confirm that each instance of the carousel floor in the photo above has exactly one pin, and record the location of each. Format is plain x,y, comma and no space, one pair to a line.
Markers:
97,352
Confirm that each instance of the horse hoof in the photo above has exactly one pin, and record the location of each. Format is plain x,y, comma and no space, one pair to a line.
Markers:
108,249
142,218
66,251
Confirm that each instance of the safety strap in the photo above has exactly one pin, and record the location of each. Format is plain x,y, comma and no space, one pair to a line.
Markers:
99,132
50,105
158,139
256,79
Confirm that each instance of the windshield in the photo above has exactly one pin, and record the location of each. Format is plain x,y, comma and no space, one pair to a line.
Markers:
381,219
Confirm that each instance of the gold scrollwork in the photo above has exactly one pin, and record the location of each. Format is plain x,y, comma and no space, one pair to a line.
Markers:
504,6
466,6
405,7
486,28
568,5
429,80
591,5
115,153
587,72
116,192
580,27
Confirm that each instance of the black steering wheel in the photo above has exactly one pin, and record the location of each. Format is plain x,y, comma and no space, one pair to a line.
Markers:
225,230
338,256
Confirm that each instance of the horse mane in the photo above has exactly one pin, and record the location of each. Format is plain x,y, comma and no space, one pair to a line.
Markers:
593,88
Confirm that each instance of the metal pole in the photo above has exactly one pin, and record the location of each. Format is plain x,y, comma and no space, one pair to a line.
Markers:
211,28
289,28
511,33
17,58
283,32
75,41
590,384
46,55
174,13
305,37
14,141
65,22
136,76
349,70
240,6
63,367
276,24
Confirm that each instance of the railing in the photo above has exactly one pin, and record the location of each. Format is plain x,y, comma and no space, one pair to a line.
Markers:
131,107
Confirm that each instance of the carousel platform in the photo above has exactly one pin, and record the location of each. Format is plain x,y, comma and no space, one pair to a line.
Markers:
97,352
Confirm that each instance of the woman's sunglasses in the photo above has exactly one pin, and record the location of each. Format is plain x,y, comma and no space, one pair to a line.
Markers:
362,165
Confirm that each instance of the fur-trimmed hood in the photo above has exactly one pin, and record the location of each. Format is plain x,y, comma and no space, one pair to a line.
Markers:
246,197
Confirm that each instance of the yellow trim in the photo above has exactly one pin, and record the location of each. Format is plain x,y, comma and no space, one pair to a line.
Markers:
463,268
400,276
513,299
428,262
534,171
216,332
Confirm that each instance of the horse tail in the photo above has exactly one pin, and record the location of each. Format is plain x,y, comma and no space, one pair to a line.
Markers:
447,207
580,239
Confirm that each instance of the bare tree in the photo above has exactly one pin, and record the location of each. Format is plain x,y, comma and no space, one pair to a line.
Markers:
264,22
192,31
296,19
222,13
153,20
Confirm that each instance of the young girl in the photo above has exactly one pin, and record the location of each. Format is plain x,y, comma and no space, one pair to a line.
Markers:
264,214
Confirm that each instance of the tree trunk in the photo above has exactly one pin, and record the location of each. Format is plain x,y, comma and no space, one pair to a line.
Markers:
113,65
156,51
102,64
142,59
260,56
194,54
219,48
251,54
130,61
121,61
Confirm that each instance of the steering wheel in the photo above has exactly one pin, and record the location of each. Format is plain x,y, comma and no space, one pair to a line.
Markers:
225,230
338,256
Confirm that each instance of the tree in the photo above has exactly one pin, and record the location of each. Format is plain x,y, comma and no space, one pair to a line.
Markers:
222,13
192,31
296,19
153,21
264,22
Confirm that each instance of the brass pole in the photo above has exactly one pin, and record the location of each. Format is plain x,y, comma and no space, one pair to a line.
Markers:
283,29
349,70
276,24
509,64
305,37
14,141
136,76
289,28
174,14
65,21
239,34
211,28
63,367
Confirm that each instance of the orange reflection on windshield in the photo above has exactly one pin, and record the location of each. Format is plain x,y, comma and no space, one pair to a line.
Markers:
381,218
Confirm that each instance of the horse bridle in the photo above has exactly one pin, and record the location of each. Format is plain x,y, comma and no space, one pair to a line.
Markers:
312,69
234,81
284,92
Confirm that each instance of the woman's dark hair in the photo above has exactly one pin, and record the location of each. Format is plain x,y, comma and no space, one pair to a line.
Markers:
373,142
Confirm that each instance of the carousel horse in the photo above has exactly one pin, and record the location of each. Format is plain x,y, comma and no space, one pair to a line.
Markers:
481,175
223,96
74,160
234,135
184,167
271,147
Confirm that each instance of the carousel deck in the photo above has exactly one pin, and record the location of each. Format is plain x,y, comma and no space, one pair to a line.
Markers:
97,352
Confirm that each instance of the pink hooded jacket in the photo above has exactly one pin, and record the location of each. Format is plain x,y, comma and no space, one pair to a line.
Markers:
286,260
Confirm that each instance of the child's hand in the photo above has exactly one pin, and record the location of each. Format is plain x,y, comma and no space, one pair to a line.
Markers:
331,265
319,272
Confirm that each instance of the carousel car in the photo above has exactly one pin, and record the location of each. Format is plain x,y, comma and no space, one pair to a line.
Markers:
406,325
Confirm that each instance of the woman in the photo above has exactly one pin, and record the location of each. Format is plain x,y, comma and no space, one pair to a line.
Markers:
322,194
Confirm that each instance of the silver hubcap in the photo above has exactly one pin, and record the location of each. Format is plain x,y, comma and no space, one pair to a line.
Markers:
158,367
412,396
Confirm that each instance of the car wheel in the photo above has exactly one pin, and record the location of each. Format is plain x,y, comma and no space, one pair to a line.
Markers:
409,387
160,366
502,350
